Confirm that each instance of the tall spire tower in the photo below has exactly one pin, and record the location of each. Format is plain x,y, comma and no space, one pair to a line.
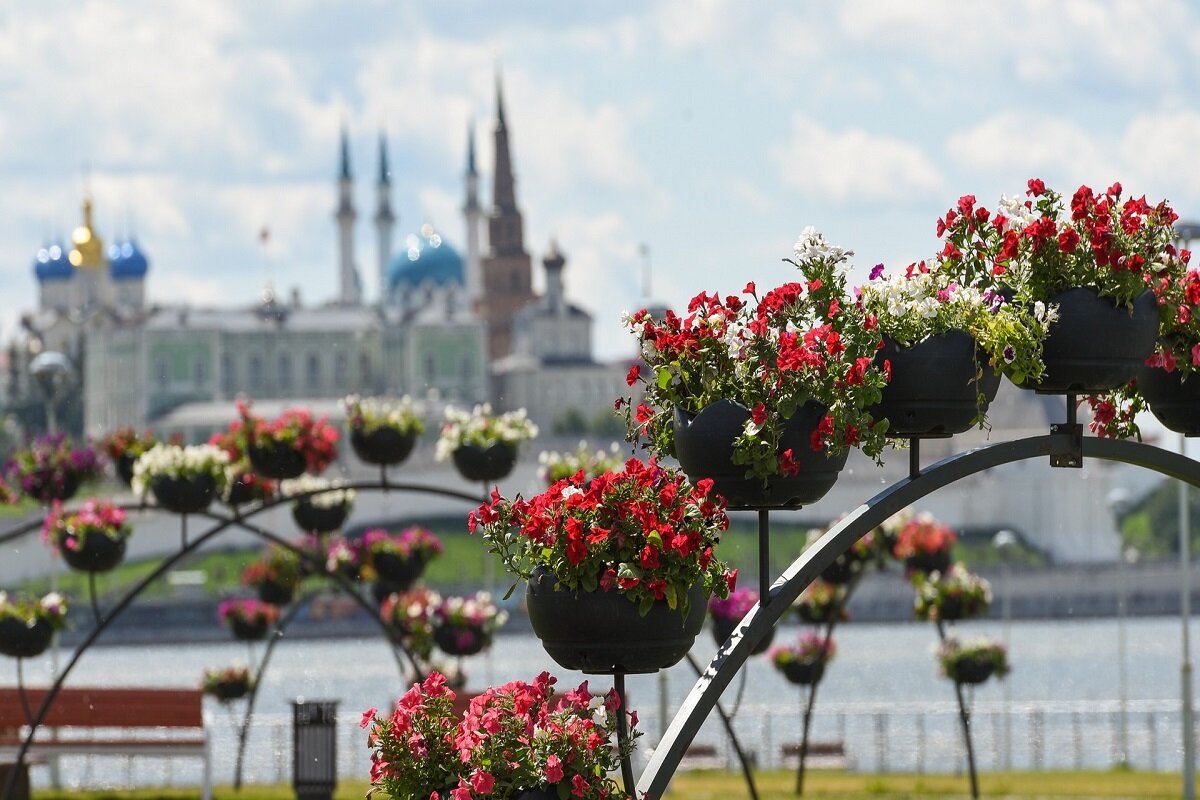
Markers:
384,218
473,216
507,270
350,291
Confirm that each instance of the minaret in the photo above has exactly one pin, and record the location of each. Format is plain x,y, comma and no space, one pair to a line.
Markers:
505,227
507,271
384,218
350,293
473,215
554,262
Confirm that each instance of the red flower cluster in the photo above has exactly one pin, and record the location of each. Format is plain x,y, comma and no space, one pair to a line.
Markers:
296,427
512,738
645,531
923,535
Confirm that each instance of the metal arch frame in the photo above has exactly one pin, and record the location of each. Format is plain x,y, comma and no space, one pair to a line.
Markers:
732,655
221,524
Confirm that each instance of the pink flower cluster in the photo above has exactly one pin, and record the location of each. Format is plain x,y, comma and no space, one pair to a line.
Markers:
61,528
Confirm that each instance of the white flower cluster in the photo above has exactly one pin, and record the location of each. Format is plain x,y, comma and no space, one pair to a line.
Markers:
811,246
335,496
556,465
925,295
481,428
179,462
53,604
403,414
1016,215
476,610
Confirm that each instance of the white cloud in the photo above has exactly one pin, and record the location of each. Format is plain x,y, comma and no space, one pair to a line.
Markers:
1020,144
854,164
1160,150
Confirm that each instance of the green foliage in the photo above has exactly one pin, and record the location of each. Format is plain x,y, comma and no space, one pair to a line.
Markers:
1152,526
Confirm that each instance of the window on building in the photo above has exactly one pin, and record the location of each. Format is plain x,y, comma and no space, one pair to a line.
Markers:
200,372
312,371
285,371
341,369
254,371
465,368
364,368
228,379
430,368
162,372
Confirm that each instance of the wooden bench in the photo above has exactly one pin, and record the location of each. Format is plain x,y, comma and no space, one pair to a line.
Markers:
110,716
821,755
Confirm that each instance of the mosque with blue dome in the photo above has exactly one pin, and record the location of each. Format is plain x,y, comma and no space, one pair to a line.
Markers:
450,324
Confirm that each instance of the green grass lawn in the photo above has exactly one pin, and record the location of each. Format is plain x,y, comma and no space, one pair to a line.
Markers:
712,785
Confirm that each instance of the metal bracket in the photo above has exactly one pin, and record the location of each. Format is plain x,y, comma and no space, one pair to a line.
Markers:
1066,445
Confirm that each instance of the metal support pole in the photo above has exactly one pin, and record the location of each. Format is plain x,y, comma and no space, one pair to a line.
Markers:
764,557
914,457
623,732
1122,675
1185,612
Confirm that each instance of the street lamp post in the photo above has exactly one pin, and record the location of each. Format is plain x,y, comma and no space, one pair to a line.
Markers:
1118,504
1186,232
1004,541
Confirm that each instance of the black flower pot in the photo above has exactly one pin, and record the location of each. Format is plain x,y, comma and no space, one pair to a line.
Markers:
95,552
456,641
952,609
603,633
124,467
1095,345
46,486
277,594
249,630
815,615
804,673
973,670
704,447
384,446
1173,401
184,495
277,460
485,464
24,641
316,519
538,793
842,570
723,628
935,386
928,562
231,690
241,492
396,572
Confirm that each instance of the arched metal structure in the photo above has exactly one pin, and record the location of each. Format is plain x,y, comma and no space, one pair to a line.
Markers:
732,656
221,523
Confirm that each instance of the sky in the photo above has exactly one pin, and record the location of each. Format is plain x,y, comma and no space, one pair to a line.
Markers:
692,140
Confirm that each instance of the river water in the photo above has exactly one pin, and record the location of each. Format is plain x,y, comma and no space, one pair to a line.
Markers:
881,697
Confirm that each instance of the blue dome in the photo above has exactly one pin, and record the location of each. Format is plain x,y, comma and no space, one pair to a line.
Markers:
426,257
127,261
51,264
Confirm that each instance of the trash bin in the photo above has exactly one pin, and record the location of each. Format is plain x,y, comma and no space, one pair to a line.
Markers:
314,748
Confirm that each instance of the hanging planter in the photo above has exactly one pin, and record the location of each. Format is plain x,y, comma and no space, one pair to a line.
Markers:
972,662
704,445
50,469
20,639
124,466
936,386
1096,345
1175,402
248,620
383,431
275,592
483,445
123,447
803,673
228,684
727,612
928,562
602,632
319,519
277,460
91,539
397,560
486,464
94,552
386,447
184,495
461,641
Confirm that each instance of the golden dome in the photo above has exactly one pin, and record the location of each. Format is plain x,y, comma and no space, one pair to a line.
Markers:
87,250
